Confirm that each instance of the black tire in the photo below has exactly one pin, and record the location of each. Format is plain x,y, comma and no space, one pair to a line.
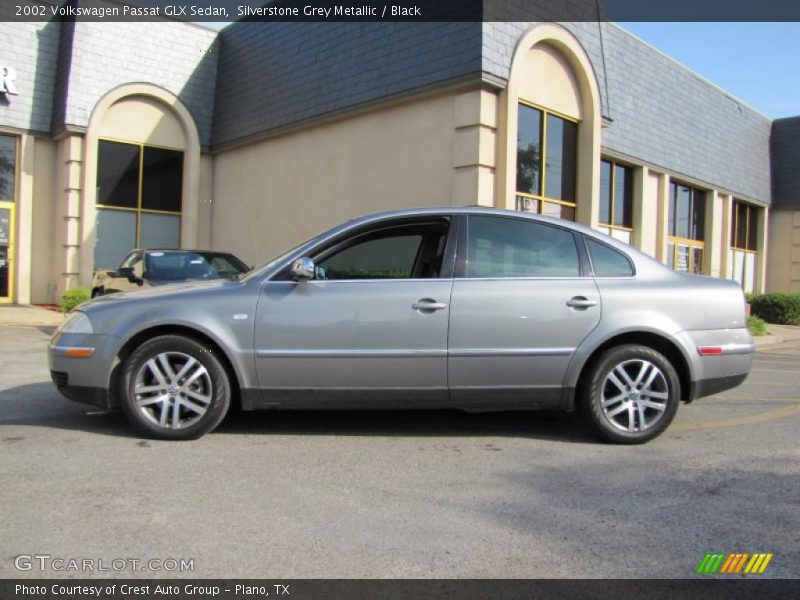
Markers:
600,383
213,383
97,292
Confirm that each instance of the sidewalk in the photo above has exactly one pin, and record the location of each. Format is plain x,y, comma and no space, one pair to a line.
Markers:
777,334
29,316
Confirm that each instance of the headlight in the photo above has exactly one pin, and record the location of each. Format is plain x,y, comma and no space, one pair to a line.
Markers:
77,322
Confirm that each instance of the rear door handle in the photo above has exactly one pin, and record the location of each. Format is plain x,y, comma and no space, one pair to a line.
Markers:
428,304
581,302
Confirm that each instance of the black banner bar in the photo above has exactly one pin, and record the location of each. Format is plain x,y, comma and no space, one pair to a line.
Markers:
400,10
389,589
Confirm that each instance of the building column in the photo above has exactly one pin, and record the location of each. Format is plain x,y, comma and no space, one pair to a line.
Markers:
725,240
761,249
68,213
662,190
645,210
474,157
24,225
713,234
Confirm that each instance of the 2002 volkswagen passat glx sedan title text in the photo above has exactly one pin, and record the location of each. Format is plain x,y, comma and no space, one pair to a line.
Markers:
465,308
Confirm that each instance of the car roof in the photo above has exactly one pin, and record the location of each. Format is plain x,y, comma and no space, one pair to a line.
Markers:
476,210
642,260
178,250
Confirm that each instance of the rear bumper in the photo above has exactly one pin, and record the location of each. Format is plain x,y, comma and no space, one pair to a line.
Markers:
709,387
720,359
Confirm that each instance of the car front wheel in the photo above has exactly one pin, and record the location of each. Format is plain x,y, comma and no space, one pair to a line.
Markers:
630,395
174,388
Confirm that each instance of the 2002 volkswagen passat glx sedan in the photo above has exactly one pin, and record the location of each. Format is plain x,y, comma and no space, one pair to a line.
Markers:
465,308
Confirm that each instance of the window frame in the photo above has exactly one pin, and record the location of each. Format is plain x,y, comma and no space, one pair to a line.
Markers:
613,189
139,210
692,243
541,199
462,257
631,262
351,237
751,215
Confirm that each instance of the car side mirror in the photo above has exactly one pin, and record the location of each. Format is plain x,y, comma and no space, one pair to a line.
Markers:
129,274
302,269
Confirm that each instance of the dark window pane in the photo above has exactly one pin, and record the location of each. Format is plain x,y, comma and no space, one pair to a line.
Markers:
623,196
500,247
698,217
529,150
683,210
671,201
560,154
117,174
752,232
389,257
162,179
697,260
8,167
740,234
608,262
116,237
605,192
5,240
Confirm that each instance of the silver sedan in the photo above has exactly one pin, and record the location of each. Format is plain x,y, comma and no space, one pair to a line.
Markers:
464,308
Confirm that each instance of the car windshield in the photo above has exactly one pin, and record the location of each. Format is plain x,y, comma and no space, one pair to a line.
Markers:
183,266
283,256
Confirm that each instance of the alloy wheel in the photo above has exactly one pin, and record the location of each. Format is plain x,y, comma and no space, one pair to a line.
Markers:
173,390
634,395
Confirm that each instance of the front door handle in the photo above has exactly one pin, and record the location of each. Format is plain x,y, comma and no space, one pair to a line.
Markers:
428,304
581,302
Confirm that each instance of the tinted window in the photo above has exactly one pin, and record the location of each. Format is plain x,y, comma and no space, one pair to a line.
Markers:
117,174
623,196
503,247
608,262
605,192
529,150
8,167
403,252
178,266
162,179
562,142
226,266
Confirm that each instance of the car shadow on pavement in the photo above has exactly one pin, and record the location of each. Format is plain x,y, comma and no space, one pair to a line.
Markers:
549,425
40,405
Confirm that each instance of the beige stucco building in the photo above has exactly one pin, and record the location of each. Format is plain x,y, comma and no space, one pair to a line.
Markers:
238,141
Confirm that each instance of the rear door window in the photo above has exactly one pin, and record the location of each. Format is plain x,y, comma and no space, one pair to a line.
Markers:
507,247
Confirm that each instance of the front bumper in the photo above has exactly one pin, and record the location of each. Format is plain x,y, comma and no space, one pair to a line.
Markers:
80,367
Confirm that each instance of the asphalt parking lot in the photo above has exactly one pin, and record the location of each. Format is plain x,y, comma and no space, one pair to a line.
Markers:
443,494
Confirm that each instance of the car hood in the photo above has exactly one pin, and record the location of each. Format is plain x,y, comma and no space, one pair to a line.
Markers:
169,289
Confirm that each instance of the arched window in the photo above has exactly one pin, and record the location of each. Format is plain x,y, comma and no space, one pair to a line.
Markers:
139,191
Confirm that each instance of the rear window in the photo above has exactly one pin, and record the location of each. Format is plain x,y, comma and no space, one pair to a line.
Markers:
505,247
608,262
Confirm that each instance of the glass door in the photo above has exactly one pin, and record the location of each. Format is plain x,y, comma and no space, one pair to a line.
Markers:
6,250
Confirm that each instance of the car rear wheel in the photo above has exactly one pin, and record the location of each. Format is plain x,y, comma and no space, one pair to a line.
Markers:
630,395
174,388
